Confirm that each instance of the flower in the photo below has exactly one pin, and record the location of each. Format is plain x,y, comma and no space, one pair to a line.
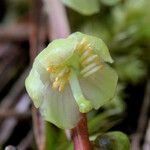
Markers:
70,76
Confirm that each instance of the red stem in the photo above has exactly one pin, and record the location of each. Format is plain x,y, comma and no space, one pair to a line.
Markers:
80,135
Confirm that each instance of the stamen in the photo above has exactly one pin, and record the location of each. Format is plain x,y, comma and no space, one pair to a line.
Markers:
81,45
88,46
55,85
62,72
52,69
89,60
85,55
61,86
93,70
61,79
88,68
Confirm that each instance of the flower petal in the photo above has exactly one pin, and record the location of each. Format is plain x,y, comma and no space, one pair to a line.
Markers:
36,81
57,52
60,108
100,87
44,75
96,44
34,86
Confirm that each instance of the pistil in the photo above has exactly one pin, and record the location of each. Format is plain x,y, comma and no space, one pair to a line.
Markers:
84,104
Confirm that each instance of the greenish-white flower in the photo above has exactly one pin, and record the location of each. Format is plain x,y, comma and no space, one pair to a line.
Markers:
70,76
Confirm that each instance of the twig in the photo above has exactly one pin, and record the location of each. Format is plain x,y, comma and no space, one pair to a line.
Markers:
58,22
18,32
16,89
5,49
9,101
15,114
136,139
146,145
10,65
8,124
39,128
15,32
36,36
36,44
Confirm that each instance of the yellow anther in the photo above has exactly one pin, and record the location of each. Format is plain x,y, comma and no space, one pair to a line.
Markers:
61,86
52,69
88,47
56,79
90,59
58,86
85,54
55,85
61,78
81,46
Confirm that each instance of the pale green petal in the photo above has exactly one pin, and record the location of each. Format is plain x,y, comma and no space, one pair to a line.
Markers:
43,73
100,87
34,87
60,108
96,43
86,7
57,52
36,81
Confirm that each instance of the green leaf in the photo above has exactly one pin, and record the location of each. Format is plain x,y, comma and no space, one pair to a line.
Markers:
98,121
110,2
112,141
85,7
51,136
96,27
130,69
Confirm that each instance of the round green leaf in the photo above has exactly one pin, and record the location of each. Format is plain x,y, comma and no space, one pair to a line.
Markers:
112,141
85,7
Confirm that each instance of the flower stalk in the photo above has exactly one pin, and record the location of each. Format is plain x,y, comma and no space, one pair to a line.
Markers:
80,135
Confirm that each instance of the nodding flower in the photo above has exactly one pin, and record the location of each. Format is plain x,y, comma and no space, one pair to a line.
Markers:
70,76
